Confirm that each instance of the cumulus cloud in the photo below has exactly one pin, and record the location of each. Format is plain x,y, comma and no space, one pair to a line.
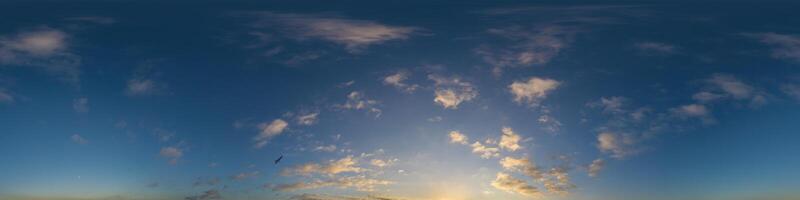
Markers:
173,154
328,148
533,91
619,146
78,139
358,101
80,105
509,140
355,35
308,119
510,184
333,167
783,46
458,137
555,181
207,195
450,92
397,80
484,151
595,167
527,47
360,183
269,130
656,47
44,48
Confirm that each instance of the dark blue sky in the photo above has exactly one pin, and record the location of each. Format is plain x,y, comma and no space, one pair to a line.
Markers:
367,100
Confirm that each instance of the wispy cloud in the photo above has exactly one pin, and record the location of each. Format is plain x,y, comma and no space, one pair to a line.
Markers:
656,48
356,100
784,46
398,79
45,48
78,139
172,153
353,34
333,167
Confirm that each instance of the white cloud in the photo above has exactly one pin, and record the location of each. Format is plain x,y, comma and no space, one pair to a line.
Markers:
783,46
656,47
732,86
510,184
269,130
450,92
308,119
532,91
596,166
80,105
358,101
458,137
484,151
693,111
610,105
509,140
333,167
705,97
382,163
171,153
397,80
354,35
45,48
79,139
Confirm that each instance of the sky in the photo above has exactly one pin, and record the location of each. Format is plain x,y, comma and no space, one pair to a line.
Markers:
357,100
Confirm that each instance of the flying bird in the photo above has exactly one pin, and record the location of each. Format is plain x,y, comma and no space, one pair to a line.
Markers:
279,159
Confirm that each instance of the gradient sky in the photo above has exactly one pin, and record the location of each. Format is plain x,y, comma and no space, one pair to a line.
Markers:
368,100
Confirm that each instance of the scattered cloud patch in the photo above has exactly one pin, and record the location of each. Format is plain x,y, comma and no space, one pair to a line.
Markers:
619,146
245,175
484,151
358,101
596,166
510,184
527,46
333,167
458,138
173,154
509,140
45,48
656,48
308,119
784,46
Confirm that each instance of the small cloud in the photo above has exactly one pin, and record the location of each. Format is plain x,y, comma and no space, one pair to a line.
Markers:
78,139
784,46
510,184
333,167
355,35
93,19
619,146
6,97
457,137
382,163
207,195
358,101
308,119
45,48
655,47
596,166
533,91
509,140
269,130
245,175
793,90
706,97
693,111
329,148
80,105
435,119
610,105
450,92
484,151
171,153
527,46
397,80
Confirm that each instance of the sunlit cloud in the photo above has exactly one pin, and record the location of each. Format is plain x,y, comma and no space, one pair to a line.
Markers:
332,167
173,154
450,92
458,137
358,101
398,80
269,130
532,91
596,166
509,140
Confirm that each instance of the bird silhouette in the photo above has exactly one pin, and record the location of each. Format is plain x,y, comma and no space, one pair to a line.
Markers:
279,159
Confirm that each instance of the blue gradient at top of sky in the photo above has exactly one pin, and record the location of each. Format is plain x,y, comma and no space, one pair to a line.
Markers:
212,73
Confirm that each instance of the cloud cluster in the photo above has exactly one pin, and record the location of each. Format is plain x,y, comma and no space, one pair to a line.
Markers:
555,180
450,92
618,145
358,101
509,140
